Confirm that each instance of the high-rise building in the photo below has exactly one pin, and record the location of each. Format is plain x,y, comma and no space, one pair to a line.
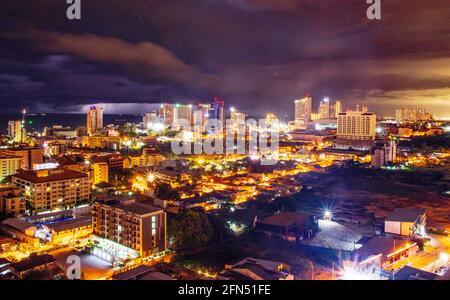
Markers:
100,172
303,110
135,225
167,113
9,165
94,119
201,115
53,189
16,131
414,115
335,109
182,115
238,119
324,108
150,120
384,152
356,129
218,111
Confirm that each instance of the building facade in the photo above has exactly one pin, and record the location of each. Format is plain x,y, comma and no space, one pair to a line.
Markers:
94,119
356,130
134,225
11,201
46,190
303,110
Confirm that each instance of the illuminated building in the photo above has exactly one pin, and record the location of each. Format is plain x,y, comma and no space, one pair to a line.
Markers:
182,115
379,253
17,131
11,201
356,130
29,156
48,190
414,115
406,222
303,110
384,152
60,131
110,142
167,113
324,108
100,172
94,119
335,109
201,115
9,166
237,119
218,111
271,118
138,226
150,120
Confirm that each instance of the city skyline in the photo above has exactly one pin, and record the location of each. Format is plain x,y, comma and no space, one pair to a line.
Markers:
325,49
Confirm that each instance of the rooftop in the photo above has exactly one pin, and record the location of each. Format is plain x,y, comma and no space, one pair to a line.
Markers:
286,219
380,245
405,214
70,224
49,175
129,204
409,273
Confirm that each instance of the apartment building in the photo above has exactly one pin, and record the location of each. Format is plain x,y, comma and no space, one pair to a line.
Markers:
11,201
29,156
9,165
132,224
53,189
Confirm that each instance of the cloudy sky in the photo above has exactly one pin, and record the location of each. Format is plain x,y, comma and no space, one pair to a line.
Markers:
258,55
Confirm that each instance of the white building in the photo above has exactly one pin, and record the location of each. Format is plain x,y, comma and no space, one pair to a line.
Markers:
303,109
356,130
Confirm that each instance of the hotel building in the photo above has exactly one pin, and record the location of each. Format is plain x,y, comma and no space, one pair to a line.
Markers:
135,225
53,189
356,130
94,119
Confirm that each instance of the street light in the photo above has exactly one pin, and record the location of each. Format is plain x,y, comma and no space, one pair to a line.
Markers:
328,215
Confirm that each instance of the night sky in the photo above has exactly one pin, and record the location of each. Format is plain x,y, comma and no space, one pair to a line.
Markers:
258,55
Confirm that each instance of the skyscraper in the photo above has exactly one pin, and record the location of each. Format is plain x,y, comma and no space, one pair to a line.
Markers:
217,110
16,131
303,109
201,114
150,119
166,112
94,119
335,109
324,108
182,113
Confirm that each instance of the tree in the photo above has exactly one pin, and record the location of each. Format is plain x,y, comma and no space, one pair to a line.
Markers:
190,230
165,192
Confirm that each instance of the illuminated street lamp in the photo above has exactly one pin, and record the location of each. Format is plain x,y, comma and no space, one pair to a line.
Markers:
328,215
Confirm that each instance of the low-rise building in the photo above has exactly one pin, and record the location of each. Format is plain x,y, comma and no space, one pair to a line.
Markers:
291,226
407,222
11,201
255,269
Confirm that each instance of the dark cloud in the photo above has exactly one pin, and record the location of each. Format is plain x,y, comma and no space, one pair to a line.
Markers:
257,54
